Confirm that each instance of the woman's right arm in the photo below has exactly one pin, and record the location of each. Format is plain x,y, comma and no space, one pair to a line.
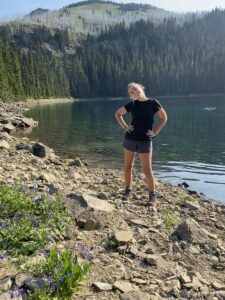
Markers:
118,115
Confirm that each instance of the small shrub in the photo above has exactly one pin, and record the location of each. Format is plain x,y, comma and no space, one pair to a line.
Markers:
109,244
63,272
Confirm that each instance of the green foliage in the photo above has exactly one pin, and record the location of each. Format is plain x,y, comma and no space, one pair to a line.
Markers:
171,220
182,198
64,272
29,220
109,244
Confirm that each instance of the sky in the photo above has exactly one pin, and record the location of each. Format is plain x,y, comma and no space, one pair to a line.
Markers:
13,8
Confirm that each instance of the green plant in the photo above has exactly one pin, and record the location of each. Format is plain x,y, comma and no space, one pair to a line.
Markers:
185,197
64,272
29,220
171,220
110,244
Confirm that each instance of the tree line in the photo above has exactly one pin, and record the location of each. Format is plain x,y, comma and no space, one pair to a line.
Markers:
167,58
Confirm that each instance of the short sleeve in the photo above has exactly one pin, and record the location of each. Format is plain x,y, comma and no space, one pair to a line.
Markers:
129,106
157,105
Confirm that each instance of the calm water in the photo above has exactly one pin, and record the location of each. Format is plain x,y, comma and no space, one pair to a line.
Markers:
191,147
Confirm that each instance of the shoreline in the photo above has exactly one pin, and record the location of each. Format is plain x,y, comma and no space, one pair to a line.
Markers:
31,102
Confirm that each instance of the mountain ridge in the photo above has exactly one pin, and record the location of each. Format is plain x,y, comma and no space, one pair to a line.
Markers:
91,16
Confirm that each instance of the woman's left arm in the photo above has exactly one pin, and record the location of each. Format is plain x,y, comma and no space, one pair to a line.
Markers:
163,119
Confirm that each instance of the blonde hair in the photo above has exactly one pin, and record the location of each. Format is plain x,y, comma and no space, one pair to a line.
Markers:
136,84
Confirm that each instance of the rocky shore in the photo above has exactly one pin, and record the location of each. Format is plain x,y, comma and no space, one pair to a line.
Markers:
174,250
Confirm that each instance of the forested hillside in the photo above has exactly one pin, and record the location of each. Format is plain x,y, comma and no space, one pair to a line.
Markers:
167,57
93,15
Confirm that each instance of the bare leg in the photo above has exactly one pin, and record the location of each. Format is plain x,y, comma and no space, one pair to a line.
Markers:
129,157
146,163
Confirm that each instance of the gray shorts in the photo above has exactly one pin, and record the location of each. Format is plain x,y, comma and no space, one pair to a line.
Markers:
138,146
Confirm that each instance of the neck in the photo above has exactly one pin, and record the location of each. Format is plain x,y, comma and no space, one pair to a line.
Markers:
142,99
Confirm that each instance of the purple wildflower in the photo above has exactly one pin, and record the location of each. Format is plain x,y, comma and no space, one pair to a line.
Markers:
33,187
47,251
69,275
20,292
50,279
60,279
54,286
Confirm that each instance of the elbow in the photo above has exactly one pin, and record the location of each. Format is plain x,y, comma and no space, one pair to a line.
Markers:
116,114
165,118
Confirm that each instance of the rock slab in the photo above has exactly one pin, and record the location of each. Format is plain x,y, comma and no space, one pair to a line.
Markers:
95,203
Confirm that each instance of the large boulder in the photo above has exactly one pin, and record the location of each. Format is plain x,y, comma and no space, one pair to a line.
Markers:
29,122
41,150
191,231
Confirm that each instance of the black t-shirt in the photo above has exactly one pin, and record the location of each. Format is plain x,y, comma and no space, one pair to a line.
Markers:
143,113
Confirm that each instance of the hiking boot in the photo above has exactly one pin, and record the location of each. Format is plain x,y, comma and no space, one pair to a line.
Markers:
126,194
152,198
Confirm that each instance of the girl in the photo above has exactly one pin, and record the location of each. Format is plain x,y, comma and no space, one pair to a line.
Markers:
139,135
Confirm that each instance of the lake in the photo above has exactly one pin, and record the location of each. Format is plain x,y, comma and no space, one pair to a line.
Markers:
191,147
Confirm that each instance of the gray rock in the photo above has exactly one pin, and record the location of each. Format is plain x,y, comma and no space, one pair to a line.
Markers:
191,205
54,160
191,231
184,294
29,122
23,146
139,222
34,283
133,250
41,150
76,162
8,296
123,237
125,286
220,295
4,135
21,278
92,224
218,286
184,184
48,177
103,196
9,128
138,281
156,260
138,296
184,278
73,175
5,284
4,145
95,203
102,286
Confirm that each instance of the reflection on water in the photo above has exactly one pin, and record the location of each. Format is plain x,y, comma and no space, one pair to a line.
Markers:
191,147
206,178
